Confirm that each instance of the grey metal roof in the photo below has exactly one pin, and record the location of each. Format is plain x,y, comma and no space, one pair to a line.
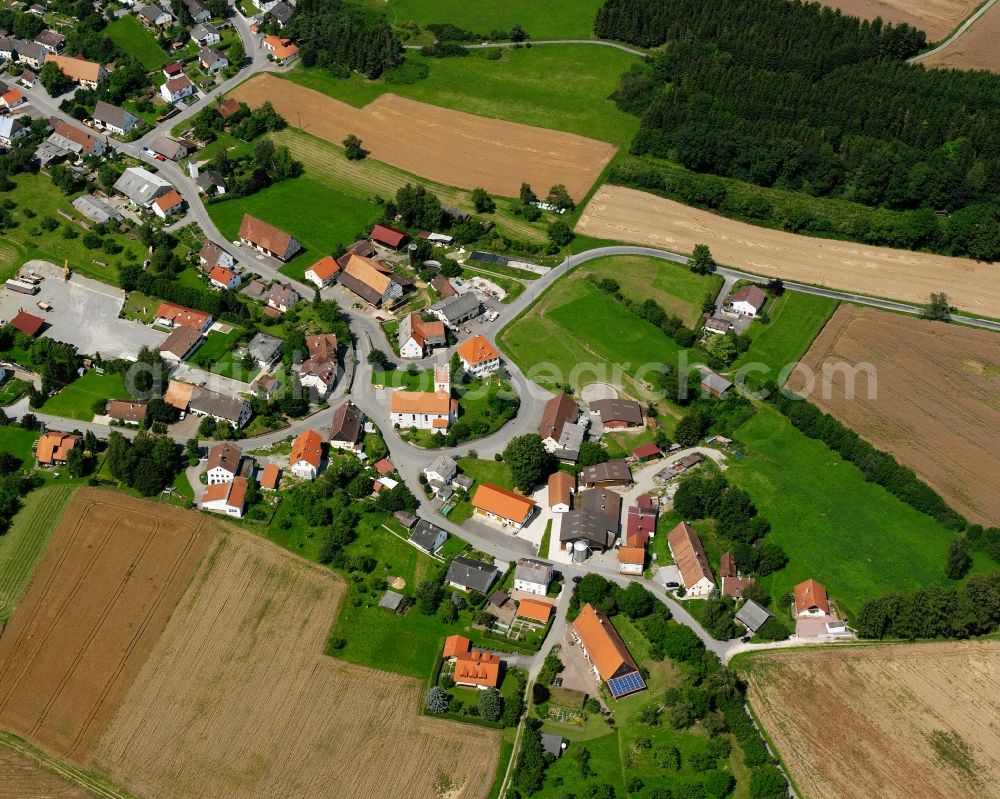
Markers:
586,525
534,571
221,406
140,186
752,615
444,466
94,209
472,574
282,12
425,535
716,382
201,30
456,309
552,744
391,600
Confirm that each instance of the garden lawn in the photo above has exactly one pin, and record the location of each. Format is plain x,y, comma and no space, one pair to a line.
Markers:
18,442
483,471
851,535
562,87
211,354
28,240
141,307
129,34
22,546
556,19
321,219
77,400
796,320
12,390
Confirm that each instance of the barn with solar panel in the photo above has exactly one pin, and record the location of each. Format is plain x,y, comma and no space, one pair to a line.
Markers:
604,649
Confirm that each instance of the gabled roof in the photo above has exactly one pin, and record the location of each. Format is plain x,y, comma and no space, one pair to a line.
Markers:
425,535
27,323
86,141
76,69
227,108
560,409
477,350
811,594
535,609
617,471
346,424
430,402
503,503
472,574
170,199
107,113
175,85
259,232
233,494
689,555
647,451
225,456
126,410
178,394
179,315
443,287
561,486
602,501
54,445
533,571
387,235
325,267
716,383
604,646
634,556
751,295
618,410
458,307
269,477
752,615
455,645
307,447
585,525
221,406
282,48
264,348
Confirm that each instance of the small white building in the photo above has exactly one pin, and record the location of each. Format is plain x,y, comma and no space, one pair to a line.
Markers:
307,454
228,498
747,301
176,89
442,470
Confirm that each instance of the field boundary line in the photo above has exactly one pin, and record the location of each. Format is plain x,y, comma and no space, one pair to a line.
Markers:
955,35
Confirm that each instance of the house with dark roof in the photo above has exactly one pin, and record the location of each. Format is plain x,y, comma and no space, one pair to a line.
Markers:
115,119
747,301
608,474
714,384
176,89
532,576
51,41
210,183
562,409
170,148
223,464
79,142
95,209
347,426
212,255
604,502
282,13
212,60
443,287
593,529
141,186
282,297
205,35
221,407
154,16
752,616
197,11
618,414
471,575
267,238
265,349
457,310
319,371
428,537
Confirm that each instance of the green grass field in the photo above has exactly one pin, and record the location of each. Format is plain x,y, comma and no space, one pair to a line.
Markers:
76,401
557,19
28,239
22,547
796,320
215,353
559,87
483,471
18,442
319,217
851,535
129,34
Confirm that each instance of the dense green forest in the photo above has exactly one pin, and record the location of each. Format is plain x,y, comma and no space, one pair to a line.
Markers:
344,38
795,96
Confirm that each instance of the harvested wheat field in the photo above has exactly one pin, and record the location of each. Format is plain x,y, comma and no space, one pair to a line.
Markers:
936,405
440,144
620,214
977,48
22,778
237,700
97,603
893,722
936,18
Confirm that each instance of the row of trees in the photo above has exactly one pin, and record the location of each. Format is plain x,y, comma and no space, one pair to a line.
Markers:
344,38
877,466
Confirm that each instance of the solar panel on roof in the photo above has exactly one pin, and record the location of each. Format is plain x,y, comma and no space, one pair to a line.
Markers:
627,684
488,258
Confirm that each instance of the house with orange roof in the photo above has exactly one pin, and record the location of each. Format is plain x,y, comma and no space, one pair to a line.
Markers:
319,370
306,455
170,315
224,278
88,74
562,486
323,272
732,584
479,358
477,670
535,610
54,446
608,656
12,98
168,204
371,281
631,560
811,599
508,508
424,410
269,477
228,498
267,238
418,338
455,645
688,553
283,50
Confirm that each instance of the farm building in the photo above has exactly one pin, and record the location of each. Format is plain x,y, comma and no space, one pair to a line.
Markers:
167,204
393,602
418,338
372,282
387,236
559,411
752,616
141,186
561,486
811,599
618,414
443,287
88,74
615,473
221,407
347,426
508,508
269,477
471,575
267,238
95,209
457,309
71,139
647,452
532,576
732,584
27,323
478,357
323,272
587,530
689,555
228,498
223,464
181,342
716,385
608,656
306,455
631,560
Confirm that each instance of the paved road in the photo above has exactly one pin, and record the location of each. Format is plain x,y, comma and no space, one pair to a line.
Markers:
956,35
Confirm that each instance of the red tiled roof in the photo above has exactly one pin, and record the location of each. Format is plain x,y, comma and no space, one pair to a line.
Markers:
535,610
259,232
388,236
307,447
477,668
604,646
455,645
477,350
503,503
384,466
632,555
222,275
269,477
689,554
169,200
811,594
27,323
646,451
54,446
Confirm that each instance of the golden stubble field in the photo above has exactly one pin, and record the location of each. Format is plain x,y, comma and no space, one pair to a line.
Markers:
620,214
893,722
936,406
937,18
22,778
977,48
440,144
237,701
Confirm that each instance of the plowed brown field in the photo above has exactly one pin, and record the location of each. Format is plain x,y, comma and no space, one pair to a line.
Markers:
440,144
621,214
76,641
977,48
937,404
21,778
237,700
937,18
893,722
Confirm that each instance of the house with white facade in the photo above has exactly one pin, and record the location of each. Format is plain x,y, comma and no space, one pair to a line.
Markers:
532,576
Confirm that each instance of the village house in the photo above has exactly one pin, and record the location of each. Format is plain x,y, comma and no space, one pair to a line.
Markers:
282,297
176,89
126,411
114,119
173,69
198,12
371,281
443,287
457,310
228,498
423,410
534,611
212,255
32,54
77,141
282,50
155,17
532,576
418,338
718,327
441,471
223,278
478,357
11,130
323,272
306,455
51,41
428,537
640,522
170,315
471,575
221,407
281,12
387,237
53,447
210,183
347,426
212,60
319,371
267,239
264,387
223,465
168,204
606,652
479,670
811,599
269,477
732,584
747,301
12,98
631,560
180,344
559,411
170,148
562,486
205,35
265,350
689,555
507,508
88,74
610,474
618,414
141,186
